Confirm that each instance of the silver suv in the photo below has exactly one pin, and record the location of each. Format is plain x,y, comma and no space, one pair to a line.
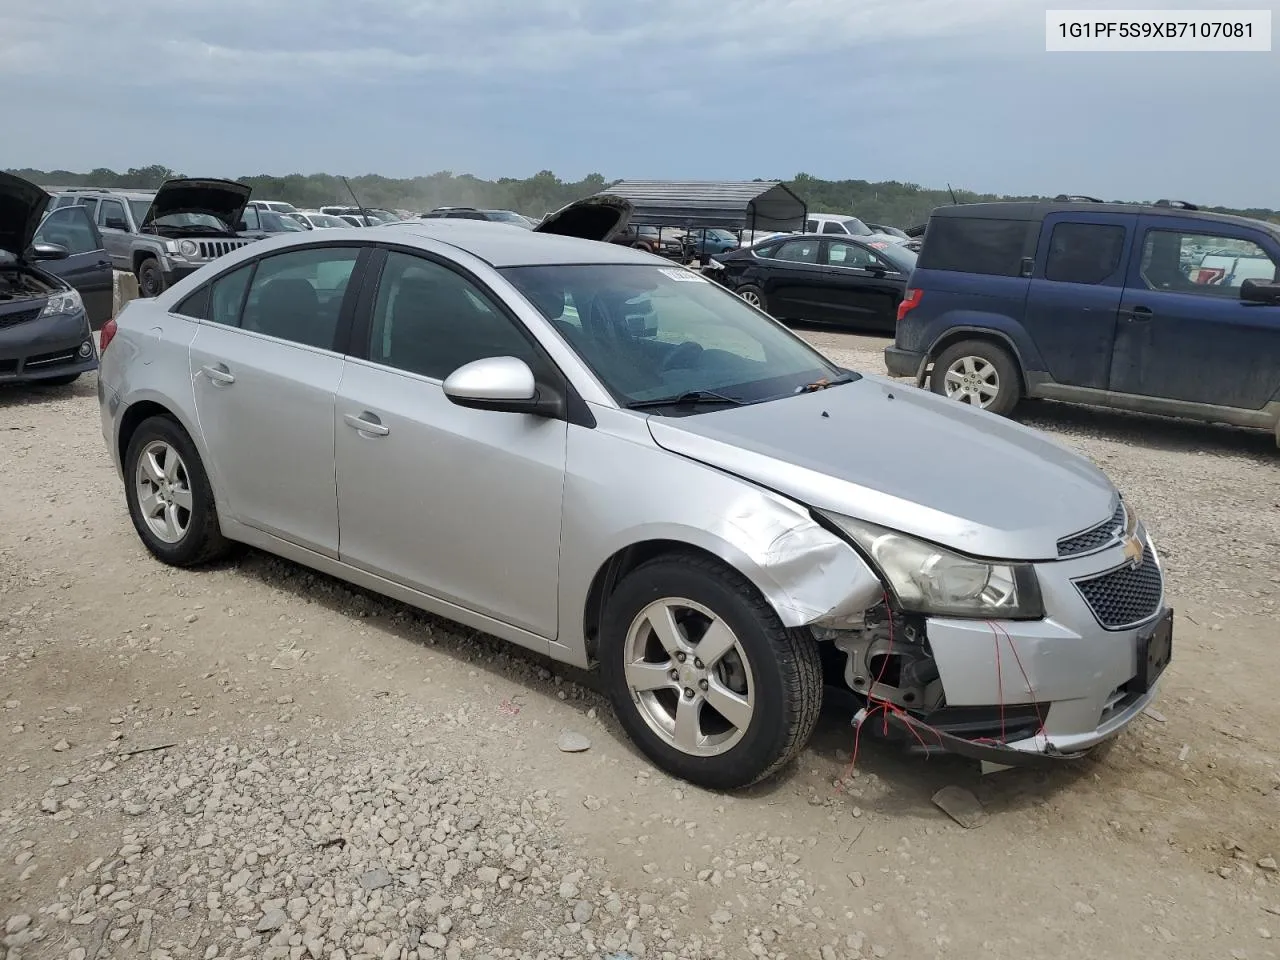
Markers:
604,457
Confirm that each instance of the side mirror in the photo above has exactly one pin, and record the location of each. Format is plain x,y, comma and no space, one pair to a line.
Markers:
50,251
1260,291
241,225
503,384
115,223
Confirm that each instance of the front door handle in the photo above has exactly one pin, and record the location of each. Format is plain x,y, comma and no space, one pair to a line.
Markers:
1141,314
367,423
218,374
104,263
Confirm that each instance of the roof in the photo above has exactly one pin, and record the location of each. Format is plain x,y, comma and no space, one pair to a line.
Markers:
733,205
504,245
1038,209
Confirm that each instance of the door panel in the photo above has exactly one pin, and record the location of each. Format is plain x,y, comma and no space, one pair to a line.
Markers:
269,431
795,282
1184,333
856,295
88,267
1075,292
461,504
116,241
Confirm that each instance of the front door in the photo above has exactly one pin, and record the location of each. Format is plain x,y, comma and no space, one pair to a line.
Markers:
265,374
87,266
795,282
1184,333
113,224
1074,295
458,503
863,289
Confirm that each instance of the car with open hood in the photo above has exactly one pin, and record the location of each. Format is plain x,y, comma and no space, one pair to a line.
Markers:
45,332
607,458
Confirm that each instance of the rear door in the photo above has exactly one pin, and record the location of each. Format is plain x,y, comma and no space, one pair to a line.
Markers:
1075,291
863,290
265,365
795,281
1184,333
87,266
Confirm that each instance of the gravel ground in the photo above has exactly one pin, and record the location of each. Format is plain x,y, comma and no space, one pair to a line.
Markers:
257,761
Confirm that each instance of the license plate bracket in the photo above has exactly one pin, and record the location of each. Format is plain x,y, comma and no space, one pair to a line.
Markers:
1155,650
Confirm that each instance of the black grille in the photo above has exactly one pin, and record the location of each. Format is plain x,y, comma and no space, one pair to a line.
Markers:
212,249
13,319
1094,537
1125,596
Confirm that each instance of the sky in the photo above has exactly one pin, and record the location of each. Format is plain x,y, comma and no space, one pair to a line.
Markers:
920,91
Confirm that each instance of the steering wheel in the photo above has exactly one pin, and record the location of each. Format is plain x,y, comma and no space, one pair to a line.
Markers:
683,355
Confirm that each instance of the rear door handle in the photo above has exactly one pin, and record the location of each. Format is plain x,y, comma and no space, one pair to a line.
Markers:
218,373
367,423
1141,314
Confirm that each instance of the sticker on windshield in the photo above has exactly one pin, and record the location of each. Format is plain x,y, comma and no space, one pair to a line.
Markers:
687,275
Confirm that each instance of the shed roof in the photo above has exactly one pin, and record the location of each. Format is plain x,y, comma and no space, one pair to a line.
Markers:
729,205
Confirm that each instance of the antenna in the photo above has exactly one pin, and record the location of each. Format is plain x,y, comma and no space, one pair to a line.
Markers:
953,194
364,214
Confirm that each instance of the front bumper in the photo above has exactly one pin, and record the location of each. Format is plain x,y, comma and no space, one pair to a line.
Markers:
1019,693
45,348
903,363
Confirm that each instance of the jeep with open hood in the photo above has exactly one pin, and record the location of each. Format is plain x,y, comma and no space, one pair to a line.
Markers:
44,327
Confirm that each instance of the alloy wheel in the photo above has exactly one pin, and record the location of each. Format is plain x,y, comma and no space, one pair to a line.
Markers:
972,380
751,297
689,677
164,491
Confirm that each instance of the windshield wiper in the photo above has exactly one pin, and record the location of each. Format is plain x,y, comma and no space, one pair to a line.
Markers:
688,398
824,383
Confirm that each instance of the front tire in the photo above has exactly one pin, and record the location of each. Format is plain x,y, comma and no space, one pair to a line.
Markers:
704,677
980,373
169,496
150,278
754,296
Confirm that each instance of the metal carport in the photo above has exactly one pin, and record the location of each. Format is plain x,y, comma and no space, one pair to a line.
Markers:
704,204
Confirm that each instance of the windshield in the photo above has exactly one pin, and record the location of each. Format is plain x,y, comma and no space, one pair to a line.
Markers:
506,216
324,220
190,220
651,333
139,208
857,228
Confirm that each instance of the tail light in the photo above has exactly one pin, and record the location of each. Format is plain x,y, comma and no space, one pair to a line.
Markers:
909,302
108,331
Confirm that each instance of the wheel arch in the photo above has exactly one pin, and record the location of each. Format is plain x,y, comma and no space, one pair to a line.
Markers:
142,409
954,335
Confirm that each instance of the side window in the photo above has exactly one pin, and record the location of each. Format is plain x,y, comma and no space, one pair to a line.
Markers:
1084,252
227,295
1204,264
429,320
196,306
798,251
70,228
831,226
250,218
297,295
978,245
111,215
811,226
766,252
848,255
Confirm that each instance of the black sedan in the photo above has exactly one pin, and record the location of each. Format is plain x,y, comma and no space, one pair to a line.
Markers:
852,281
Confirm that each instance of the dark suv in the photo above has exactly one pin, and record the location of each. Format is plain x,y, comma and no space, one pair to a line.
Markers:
1159,308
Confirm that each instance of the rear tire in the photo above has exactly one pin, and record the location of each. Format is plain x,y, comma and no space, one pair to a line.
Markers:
169,496
723,724
150,278
980,373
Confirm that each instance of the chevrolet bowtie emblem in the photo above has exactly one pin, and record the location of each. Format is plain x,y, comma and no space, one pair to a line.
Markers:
1133,550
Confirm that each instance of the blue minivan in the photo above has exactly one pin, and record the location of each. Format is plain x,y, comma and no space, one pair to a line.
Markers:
1159,308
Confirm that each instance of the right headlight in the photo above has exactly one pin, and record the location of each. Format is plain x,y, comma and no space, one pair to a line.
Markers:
929,579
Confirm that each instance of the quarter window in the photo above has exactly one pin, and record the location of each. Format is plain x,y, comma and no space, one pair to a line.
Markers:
1202,264
798,251
196,306
978,245
429,320
297,296
1084,252
226,296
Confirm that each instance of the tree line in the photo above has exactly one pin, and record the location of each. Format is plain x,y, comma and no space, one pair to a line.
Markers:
888,202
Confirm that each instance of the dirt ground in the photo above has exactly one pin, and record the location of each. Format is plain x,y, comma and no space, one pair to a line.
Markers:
339,776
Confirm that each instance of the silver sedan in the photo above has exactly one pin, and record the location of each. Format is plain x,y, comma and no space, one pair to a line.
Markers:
609,459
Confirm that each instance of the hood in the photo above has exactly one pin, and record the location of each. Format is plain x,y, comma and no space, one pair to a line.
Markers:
22,205
907,459
601,217
224,199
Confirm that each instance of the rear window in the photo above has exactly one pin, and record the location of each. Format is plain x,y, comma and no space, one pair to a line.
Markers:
978,245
